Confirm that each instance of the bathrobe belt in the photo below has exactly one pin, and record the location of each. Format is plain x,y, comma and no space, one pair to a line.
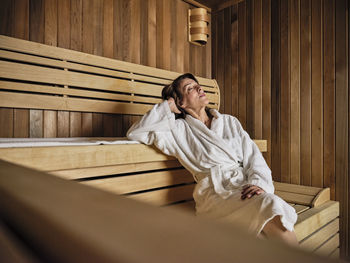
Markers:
219,180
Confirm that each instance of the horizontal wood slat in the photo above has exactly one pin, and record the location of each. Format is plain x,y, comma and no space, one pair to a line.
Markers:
166,196
297,198
141,182
75,157
327,248
313,219
115,169
316,240
33,73
19,45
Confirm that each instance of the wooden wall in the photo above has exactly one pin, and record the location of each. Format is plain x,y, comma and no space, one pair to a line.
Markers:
147,32
283,69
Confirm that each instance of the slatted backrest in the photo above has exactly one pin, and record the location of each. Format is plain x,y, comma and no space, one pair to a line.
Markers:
38,76
137,170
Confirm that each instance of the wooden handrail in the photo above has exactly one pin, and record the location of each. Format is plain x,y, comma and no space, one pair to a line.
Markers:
66,221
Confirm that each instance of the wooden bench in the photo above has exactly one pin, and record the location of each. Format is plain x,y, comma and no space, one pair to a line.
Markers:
37,76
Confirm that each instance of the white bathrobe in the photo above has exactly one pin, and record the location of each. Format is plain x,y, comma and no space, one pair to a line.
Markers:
221,159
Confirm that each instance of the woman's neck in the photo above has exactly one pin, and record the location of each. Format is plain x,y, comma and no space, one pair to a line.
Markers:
201,115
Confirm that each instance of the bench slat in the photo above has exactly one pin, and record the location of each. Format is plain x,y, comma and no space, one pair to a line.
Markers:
313,219
166,196
329,246
314,241
297,198
299,189
300,208
141,182
115,169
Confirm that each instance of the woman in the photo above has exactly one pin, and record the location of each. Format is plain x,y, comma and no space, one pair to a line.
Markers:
234,183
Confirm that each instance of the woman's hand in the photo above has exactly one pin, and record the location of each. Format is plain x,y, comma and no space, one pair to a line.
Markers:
250,190
172,105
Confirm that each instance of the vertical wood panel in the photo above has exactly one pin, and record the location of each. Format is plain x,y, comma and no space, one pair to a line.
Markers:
341,120
317,92
285,92
181,30
63,123
295,92
275,91
305,92
257,69
234,62
227,61
6,122
163,34
152,34
242,69
20,123
173,36
329,97
220,53
250,77
107,30
266,77
135,31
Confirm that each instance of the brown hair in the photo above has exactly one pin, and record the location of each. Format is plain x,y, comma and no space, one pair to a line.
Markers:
173,90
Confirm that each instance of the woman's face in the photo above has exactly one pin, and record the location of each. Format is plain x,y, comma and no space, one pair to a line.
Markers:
193,95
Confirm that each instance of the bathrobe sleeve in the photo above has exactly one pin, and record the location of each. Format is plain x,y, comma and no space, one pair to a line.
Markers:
155,127
254,165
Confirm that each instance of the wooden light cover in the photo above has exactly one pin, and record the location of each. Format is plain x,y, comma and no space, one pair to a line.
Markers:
198,21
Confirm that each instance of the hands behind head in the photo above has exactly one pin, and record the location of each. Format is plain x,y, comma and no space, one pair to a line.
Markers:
173,106
251,190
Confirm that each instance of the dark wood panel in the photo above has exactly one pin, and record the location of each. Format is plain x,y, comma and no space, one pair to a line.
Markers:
227,63
329,97
317,95
305,92
295,91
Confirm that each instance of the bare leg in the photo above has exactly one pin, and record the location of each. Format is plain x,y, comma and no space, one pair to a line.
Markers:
275,230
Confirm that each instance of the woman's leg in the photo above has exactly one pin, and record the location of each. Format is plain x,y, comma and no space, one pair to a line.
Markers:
275,230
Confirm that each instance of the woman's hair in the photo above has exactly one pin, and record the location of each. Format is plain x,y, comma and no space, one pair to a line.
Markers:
173,91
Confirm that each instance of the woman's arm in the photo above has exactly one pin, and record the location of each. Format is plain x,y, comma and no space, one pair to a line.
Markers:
159,119
254,166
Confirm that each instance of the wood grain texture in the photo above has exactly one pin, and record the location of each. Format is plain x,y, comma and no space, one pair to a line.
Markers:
295,92
317,95
329,97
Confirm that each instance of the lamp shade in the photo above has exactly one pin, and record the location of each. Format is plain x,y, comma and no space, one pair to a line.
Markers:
198,21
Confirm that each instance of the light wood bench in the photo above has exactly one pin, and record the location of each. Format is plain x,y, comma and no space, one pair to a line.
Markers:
37,76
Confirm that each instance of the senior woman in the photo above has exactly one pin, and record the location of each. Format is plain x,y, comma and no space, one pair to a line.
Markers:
234,183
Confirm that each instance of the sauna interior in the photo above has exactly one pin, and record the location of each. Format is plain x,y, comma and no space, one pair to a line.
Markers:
282,68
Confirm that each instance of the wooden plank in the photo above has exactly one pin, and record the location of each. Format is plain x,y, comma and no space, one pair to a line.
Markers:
35,119
285,93
21,19
74,123
21,123
314,241
295,198
227,63
141,182
327,248
250,68
173,36
220,75
266,77
108,40
342,121
62,124
6,121
275,91
242,74
258,118
76,22
317,95
135,31
49,124
335,254
63,23
103,226
234,61
50,24
329,97
300,208
295,91
57,158
115,169
181,35
314,218
305,92
166,196
294,188
65,54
